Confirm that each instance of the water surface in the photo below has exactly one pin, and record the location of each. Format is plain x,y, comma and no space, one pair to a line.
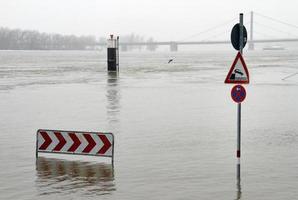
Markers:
174,125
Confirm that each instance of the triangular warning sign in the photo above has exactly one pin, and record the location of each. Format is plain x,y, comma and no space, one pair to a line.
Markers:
238,72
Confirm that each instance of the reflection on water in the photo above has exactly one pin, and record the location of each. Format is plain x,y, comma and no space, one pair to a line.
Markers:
113,99
239,193
238,196
73,177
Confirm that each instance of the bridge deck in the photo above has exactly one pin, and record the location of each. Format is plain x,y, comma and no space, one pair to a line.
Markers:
198,42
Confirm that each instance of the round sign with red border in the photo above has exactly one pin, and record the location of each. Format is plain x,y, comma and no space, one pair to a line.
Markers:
238,93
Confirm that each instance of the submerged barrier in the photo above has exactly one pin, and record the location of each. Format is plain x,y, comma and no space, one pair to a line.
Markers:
75,142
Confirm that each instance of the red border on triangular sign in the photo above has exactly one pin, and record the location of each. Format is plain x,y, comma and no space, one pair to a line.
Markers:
238,56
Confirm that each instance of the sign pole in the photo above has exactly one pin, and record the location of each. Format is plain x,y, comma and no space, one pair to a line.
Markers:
238,74
239,104
241,33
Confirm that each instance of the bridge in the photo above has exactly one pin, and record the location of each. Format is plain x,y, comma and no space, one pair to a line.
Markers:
173,45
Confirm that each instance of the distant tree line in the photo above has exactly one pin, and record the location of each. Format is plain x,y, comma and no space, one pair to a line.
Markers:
16,39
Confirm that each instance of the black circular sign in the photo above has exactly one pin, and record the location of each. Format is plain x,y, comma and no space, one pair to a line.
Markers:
235,36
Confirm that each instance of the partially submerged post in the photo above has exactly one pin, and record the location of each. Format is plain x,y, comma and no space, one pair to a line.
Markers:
113,54
239,104
238,74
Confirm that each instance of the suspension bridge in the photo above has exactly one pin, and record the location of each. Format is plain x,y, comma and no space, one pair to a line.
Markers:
173,45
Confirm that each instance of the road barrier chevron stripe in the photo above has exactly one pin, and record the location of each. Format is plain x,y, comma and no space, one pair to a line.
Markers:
91,143
75,142
106,146
61,143
47,140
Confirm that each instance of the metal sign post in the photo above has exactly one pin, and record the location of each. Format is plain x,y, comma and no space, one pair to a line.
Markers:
238,74
239,104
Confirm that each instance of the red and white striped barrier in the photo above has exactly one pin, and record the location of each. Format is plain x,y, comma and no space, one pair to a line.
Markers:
74,142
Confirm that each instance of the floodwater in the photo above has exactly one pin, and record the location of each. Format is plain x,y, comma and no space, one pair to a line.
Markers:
174,125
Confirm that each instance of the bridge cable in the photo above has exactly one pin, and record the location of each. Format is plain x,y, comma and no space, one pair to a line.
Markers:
214,36
209,29
221,33
264,35
276,20
291,75
269,27
205,31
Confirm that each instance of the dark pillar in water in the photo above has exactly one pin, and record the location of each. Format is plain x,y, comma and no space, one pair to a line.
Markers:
173,46
113,54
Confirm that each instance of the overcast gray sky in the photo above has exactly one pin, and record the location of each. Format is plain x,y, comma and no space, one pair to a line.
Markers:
162,19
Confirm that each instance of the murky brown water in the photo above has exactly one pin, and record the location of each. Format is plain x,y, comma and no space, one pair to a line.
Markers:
174,125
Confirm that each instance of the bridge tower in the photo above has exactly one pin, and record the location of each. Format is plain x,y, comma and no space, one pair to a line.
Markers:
124,47
251,45
173,46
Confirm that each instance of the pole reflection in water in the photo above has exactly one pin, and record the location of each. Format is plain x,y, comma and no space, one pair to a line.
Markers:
113,98
238,196
55,176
